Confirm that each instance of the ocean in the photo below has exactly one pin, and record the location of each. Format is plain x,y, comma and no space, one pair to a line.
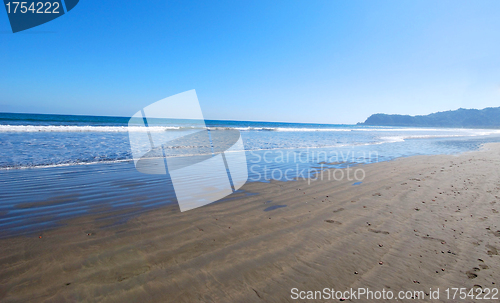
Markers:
58,167
34,140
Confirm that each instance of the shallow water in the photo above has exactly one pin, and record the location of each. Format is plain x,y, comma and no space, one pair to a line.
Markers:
56,168
53,140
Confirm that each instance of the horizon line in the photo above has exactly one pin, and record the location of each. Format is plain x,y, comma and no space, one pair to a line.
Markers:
125,117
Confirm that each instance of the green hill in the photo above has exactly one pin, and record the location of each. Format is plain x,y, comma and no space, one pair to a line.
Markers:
469,118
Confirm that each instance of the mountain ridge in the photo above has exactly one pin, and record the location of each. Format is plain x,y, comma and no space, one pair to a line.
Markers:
471,118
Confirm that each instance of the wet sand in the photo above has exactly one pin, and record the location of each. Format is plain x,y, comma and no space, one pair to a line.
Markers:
412,224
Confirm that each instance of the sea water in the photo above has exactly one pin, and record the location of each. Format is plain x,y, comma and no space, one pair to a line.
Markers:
33,141
54,168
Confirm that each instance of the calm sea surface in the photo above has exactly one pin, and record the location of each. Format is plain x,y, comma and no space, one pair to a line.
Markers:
56,167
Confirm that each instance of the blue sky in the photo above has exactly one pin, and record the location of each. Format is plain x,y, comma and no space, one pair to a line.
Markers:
295,61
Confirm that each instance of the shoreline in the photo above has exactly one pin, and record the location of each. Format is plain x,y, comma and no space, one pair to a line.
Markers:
424,217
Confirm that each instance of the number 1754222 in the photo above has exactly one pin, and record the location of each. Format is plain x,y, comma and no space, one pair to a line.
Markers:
32,8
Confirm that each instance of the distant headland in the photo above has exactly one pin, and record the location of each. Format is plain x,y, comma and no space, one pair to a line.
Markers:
468,118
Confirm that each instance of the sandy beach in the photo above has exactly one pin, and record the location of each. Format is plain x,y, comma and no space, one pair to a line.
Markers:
413,224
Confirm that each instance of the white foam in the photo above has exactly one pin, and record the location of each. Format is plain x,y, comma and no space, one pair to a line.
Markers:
394,139
349,129
75,128
122,129
64,164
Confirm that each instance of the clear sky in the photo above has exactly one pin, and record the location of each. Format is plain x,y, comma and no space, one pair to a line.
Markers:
296,61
